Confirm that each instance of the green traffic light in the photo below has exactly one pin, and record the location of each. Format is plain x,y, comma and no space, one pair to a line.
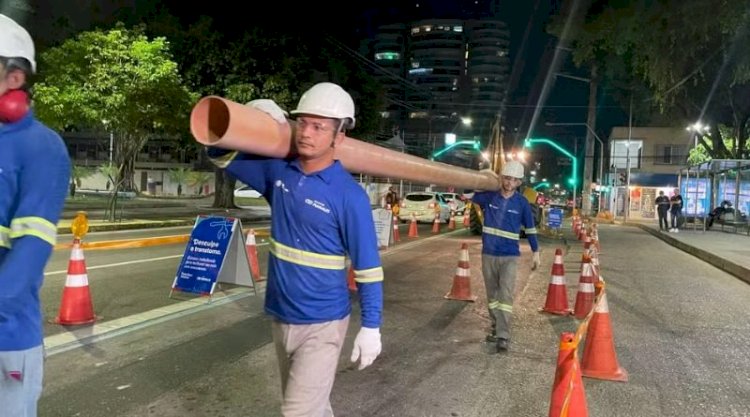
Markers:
573,180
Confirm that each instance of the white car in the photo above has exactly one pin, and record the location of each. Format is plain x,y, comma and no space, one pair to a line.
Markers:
424,205
247,192
460,204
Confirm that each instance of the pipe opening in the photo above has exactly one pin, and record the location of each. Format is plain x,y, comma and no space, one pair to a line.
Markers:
218,119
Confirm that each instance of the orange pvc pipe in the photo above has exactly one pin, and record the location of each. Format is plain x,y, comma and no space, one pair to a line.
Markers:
219,122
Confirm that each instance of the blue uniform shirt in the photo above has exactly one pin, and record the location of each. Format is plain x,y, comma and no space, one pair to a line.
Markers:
317,221
503,218
34,178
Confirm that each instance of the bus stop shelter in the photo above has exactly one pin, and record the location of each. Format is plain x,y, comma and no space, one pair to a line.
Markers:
705,185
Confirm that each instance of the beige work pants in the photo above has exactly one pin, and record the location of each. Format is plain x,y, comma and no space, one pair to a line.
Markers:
308,356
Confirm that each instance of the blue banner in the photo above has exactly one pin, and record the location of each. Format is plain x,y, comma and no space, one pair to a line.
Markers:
204,254
554,218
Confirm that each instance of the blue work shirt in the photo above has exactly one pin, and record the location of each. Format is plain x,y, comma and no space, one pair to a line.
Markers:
503,218
34,178
317,220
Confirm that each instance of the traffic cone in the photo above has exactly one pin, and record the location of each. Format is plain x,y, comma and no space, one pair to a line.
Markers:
436,223
557,295
599,357
350,279
585,295
76,307
452,222
461,289
413,227
252,255
396,233
467,216
568,394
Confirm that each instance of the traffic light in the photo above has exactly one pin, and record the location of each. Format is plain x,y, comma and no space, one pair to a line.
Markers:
623,178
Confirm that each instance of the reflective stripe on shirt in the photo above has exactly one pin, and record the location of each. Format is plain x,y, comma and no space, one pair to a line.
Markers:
501,233
301,257
224,160
368,275
4,237
33,226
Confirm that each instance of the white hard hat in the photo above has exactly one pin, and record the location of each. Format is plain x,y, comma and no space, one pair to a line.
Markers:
15,41
327,100
513,169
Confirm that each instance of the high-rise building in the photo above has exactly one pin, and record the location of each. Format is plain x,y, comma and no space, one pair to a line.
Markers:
444,76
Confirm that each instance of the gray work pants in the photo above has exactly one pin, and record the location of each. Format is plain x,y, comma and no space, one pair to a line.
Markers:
499,283
308,356
21,374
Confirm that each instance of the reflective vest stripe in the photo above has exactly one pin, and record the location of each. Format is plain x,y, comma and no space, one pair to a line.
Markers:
305,258
368,275
224,160
33,226
498,232
4,237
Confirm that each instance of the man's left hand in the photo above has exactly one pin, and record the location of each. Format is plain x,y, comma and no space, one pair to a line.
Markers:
535,261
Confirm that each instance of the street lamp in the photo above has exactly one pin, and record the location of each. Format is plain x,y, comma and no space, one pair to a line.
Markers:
699,129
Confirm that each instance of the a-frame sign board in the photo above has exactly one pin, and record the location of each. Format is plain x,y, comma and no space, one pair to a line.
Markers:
215,253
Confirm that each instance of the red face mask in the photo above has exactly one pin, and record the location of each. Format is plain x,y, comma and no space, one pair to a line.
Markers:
14,105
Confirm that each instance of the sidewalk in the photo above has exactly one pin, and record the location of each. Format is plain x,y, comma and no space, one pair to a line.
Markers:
729,252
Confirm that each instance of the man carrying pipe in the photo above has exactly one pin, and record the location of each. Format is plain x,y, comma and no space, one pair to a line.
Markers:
319,216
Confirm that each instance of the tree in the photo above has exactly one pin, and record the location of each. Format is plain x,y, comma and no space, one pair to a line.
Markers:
689,53
198,179
119,76
179,176
77,174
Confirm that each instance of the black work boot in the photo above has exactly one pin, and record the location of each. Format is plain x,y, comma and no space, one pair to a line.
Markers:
502,345
491,338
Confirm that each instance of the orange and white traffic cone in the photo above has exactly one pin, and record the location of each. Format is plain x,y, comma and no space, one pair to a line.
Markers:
396,233
452,222
557,295
461,288
252,255
599,356
568,394
436,223
467,216
585,296
76,307
413,227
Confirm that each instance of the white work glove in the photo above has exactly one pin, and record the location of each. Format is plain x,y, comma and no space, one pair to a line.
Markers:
270,108
366,347
535,261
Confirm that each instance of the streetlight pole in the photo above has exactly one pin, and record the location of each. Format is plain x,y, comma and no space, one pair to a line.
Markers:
601,144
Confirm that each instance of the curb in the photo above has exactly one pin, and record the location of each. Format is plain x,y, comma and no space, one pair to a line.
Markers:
129,226
739,271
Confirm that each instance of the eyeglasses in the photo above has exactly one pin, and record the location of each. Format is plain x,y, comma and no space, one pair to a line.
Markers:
316,127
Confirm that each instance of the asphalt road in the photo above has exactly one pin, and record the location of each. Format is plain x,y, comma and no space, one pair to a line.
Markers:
681,331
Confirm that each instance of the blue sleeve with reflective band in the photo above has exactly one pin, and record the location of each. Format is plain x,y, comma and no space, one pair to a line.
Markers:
528,224
252,170
483,198
358,232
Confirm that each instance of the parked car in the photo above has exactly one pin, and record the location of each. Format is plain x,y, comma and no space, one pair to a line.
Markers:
247,192
424,205
459,201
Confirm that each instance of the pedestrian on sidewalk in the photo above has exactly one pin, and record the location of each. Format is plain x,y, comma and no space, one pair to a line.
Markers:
505,211
34,177
319,216
662,208
675,210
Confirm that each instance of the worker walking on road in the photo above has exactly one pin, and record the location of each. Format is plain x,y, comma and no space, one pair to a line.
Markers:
34,175
504,214
320,215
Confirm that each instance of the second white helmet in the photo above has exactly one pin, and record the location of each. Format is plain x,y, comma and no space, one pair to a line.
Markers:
327,100
15,41
513,169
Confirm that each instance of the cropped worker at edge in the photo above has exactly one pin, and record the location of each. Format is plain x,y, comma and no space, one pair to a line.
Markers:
34,176
320,215
505,211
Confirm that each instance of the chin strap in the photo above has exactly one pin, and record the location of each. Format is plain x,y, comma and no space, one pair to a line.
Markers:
14,105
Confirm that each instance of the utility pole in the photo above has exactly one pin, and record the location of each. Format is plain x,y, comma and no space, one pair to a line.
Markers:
588,155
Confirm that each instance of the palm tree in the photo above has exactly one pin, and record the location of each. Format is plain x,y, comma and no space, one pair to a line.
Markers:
77,174
198,179
179,176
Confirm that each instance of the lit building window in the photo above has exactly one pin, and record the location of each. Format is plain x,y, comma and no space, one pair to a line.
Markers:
420,71
414,31
390,56
418,115
458,28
